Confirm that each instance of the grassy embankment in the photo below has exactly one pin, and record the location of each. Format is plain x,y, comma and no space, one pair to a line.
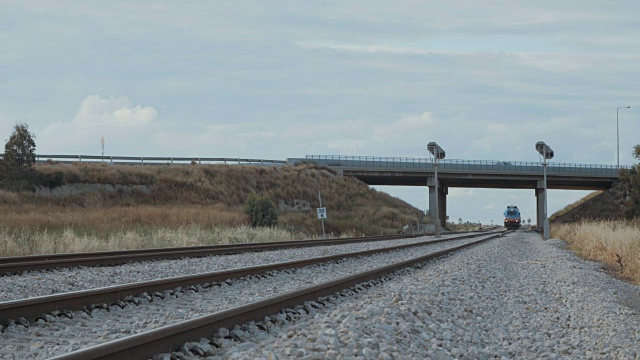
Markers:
615,243
574,205
186,205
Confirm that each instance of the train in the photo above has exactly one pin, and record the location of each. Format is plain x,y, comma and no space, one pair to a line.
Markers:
512,217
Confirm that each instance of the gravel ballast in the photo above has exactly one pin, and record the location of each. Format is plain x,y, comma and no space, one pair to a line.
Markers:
40,283
59,335
518,297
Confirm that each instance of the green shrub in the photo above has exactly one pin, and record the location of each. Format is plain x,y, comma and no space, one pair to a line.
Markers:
19,157
260,210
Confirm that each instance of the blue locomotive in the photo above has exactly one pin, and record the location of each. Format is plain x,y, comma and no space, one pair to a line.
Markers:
512,217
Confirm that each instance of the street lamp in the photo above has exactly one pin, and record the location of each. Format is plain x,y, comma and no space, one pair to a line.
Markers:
618,131
547,154
438,154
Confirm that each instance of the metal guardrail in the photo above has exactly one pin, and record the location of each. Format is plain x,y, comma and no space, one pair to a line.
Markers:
153,160
353,161
458,165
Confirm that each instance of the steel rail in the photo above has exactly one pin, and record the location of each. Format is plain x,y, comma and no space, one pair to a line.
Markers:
33,308
44,257
169,338
18,264
12,265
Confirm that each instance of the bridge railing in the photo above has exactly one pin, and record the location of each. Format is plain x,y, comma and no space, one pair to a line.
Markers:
461,165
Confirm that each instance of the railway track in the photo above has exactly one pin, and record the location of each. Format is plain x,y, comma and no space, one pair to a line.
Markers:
35,307
19,264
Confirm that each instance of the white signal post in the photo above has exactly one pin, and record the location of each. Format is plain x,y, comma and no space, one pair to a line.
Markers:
322,214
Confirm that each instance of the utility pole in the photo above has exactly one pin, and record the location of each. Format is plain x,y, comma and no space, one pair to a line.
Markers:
102,142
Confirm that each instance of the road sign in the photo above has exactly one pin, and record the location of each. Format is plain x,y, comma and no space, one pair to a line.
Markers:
322,213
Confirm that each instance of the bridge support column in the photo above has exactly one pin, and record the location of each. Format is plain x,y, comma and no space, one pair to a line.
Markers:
442,201
540,205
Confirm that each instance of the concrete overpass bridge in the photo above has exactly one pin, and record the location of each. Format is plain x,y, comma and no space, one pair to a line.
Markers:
405,171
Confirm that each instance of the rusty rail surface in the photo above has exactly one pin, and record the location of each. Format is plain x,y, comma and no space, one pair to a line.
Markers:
169,338
32,308
18,264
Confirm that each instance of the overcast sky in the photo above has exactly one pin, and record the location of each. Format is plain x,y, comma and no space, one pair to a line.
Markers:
278,79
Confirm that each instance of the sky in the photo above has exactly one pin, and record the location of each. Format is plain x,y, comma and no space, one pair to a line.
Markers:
278,79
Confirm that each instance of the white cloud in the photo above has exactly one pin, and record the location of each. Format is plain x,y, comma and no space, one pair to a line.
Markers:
345,146
406,124
347,128
489,207
371,49
496,128
461,192
113,111
125,127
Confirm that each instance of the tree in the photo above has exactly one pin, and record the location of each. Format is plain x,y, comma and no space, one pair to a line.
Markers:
19,158
260,210
630,180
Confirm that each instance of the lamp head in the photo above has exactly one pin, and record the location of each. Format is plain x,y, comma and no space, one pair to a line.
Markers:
436,150
544,150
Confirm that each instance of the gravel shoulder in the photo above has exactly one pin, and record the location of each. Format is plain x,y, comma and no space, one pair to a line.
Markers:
513,297
40,283
59,334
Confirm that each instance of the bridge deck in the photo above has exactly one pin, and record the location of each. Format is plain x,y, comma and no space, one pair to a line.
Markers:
469,173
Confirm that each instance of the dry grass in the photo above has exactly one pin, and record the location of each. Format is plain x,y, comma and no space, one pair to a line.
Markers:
27,242
352,206
103,220
462,227
574,205
186,205
614,243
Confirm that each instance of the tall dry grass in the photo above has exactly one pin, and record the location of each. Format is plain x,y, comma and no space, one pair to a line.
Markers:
107,219
352,205
19,242
614,243
186,201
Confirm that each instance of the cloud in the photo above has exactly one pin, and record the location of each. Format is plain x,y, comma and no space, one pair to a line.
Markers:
124,127
113,111
489,207
349,146
371,49
461,192
406,124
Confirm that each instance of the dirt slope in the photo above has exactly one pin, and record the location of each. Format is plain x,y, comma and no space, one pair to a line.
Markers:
78,196
608,205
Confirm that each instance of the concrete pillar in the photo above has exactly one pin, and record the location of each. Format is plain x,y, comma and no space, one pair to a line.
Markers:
442,201
540,205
